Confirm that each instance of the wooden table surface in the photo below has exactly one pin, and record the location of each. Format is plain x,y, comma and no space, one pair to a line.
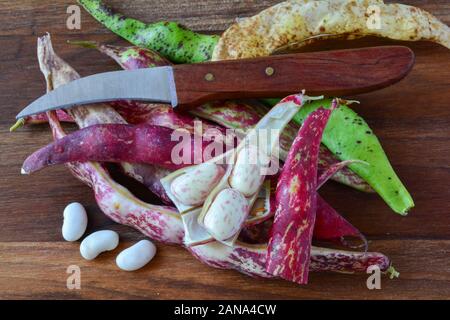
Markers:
412,119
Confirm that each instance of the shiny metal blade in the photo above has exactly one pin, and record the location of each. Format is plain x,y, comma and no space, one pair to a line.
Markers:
155,85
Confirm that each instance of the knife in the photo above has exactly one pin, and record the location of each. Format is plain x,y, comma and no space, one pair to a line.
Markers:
331,73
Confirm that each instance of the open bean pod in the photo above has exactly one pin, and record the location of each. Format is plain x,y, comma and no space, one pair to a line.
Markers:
215,198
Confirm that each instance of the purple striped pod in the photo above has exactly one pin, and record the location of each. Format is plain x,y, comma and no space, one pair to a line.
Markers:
296,204
243,179
252,259
142,143
58,72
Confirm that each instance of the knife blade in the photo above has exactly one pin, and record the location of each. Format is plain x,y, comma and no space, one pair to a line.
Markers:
338,72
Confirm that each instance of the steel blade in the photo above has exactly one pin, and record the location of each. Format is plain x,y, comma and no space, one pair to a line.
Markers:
155,85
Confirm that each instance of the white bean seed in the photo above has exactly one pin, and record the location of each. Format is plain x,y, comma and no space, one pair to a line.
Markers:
98,242
75,222
136,256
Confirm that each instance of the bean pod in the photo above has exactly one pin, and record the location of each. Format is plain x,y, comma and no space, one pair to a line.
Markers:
292,231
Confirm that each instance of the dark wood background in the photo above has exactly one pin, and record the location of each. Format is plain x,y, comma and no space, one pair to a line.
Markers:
412,119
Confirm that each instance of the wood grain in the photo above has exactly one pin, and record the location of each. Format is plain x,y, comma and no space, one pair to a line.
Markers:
349,72
412,120
173,274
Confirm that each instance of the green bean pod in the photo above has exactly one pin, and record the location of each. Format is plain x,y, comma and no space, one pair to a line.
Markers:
349,137
170,39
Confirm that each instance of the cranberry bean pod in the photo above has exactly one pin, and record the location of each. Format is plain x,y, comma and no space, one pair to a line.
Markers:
117,143
57,72
296,197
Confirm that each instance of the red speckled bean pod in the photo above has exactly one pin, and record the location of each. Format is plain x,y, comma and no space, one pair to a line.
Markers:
116,143
329,172
330,225
58,72
251,259
296,197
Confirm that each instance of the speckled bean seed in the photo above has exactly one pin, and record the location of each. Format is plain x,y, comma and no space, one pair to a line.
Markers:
247,175
193,187
226,214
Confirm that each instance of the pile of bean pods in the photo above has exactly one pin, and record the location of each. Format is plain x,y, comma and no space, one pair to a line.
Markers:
227,210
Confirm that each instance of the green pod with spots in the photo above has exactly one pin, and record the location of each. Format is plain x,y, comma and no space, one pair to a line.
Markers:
170,39
349,137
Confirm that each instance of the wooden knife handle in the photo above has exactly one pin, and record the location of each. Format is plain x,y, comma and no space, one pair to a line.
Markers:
331,73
